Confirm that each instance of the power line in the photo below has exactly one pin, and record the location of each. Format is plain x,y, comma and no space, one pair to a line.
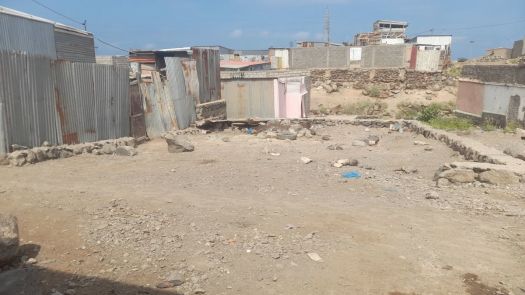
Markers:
80,23
63,15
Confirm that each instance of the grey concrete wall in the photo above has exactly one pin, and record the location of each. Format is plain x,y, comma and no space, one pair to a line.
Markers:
319,57
384,56
518,49
506,74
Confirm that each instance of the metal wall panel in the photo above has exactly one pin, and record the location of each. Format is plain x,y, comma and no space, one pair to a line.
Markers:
208,70
159,110
21,34
183,102
26,93
74,47
249,99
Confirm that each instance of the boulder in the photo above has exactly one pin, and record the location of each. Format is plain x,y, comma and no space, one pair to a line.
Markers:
40,154
52,153
372,140
66,154
499,177
284,135
125,151
459,175
31,157
108,149
17,158
178,144
9,240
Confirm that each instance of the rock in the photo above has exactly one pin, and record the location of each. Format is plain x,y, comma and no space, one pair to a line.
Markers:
406,170
125,151
40,154
271,134
335,147
31,157
165,285
9,239
429,148
459,175
284,135
429,97
21,281
4,161
296,128
52,153
359,143
17,158
428,92
17,147
78,149
499,177
437,87
306,160
308,133
199,291
226,139
175,279
515,152
301,132
372,140
31,261
346,162
417,142
178,144
328,88
432,195
326,137
315,257
46,144
70,292
108,149
66,154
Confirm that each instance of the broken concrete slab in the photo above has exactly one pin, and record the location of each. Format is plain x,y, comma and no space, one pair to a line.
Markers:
499,177
125,151
459,175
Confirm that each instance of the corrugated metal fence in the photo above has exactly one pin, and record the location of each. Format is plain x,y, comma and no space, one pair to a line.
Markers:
61,102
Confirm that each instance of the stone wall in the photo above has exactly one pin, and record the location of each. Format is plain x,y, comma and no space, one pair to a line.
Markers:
215,110
506,74
396,78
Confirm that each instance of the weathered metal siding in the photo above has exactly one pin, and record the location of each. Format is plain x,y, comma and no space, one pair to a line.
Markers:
427,60
92,101
208,70
74,47
183,102
137,121
470,98
159,110
249,99
26,95
21,34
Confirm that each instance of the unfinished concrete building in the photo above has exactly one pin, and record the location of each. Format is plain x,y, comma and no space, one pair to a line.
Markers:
384,32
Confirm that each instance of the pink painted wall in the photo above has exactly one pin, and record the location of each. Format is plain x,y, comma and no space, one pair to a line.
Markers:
470,97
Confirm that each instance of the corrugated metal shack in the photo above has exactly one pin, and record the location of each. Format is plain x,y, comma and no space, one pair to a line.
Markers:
178,86
20,31
51,89
266,94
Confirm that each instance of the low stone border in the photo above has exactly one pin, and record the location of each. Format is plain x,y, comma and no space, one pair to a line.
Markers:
123,146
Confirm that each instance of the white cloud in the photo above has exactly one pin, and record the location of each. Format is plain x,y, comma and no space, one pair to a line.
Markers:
237,33
301,35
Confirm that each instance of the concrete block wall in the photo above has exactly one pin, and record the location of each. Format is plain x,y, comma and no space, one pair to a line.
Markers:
384,56
505,74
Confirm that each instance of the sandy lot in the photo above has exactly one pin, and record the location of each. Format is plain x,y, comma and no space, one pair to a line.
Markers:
231,218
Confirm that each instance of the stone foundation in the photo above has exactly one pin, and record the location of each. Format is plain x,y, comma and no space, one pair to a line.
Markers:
122,146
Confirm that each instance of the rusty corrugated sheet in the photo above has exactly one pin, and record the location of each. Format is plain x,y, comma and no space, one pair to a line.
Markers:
26,92
137,121
183,102
159,110
208,70
249,99
189,68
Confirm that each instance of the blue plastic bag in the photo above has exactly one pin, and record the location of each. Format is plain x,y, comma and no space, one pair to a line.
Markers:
351,174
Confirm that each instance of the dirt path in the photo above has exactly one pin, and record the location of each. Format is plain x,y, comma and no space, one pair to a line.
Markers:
233,219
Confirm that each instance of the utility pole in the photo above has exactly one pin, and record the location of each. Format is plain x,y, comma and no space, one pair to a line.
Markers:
327,26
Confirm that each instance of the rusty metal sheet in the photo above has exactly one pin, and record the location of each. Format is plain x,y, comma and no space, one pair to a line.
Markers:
189,69
208,71
183,102
159,110
138,123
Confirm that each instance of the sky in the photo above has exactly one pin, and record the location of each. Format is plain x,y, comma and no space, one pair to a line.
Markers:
476,25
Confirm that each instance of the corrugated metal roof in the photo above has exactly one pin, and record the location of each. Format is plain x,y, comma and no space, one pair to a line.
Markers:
20,14
27,35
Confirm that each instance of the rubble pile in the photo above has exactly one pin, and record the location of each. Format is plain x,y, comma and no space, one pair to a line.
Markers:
22,156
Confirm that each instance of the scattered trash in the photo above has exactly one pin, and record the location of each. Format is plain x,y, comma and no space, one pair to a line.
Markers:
275,154
315,257
249,130
351,174
306,160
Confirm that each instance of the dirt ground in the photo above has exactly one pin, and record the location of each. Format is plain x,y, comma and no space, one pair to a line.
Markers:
243,215
345,96
498,138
